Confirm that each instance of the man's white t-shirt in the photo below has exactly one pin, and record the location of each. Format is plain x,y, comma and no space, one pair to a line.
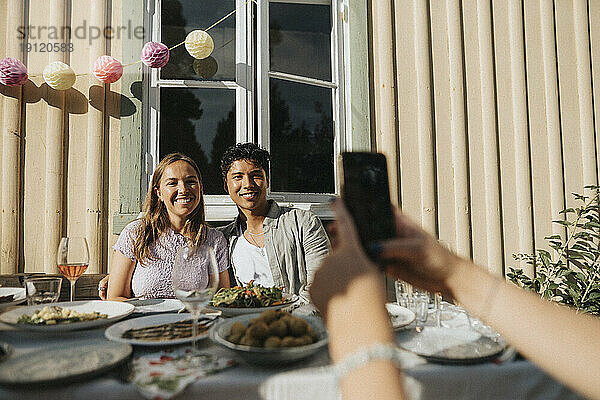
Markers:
251,263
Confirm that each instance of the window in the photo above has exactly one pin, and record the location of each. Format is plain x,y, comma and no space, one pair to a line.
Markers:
273,78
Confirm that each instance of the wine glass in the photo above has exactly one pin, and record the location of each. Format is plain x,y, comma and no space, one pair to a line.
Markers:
72,259
195,281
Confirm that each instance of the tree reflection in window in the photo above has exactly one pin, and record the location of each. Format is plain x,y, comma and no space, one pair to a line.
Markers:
301,138
191,124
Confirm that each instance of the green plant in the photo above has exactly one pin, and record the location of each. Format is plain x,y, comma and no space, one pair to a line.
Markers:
571,273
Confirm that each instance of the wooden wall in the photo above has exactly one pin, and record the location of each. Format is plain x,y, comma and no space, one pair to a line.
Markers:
494,117
71,189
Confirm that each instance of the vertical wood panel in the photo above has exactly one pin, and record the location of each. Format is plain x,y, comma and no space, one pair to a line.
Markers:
443,132
569,100
385,103
553,130
520,127
584,89
35,95
425,128
408,110
483,141
53,217
542,103
459,133
594,21
95,215
11,148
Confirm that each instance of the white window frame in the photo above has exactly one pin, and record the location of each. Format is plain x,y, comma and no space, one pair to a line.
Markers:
221,207
337,84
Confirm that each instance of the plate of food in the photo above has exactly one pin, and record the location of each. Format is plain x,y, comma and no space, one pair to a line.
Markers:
11,296
271,337
250,299
156,306
158,330
64,363
66,316
399,316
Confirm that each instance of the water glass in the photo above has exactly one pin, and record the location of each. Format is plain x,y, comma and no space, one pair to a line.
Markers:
40,290
421,309
404,293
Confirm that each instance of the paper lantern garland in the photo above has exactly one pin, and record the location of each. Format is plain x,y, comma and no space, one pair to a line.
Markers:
155,55
199,44
12,72
107,69
59,76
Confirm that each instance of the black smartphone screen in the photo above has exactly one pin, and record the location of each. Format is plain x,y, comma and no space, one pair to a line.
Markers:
366,194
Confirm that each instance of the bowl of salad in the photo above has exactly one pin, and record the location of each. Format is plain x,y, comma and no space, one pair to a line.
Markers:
249,299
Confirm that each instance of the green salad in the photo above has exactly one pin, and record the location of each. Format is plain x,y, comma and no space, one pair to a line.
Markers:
250,296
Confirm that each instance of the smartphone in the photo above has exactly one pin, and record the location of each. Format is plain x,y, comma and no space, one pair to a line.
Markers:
366,194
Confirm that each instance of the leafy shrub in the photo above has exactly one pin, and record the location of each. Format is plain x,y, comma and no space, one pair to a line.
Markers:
571,273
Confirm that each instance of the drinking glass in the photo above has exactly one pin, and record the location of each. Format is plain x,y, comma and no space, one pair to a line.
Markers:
72,259
41,290
421,310
195,281
403,293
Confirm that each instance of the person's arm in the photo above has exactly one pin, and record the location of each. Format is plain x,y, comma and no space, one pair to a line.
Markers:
103,287
119,283
316,247
224,279
561,342
552,336
349,291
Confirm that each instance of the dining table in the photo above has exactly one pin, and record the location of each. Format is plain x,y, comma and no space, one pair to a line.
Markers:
312,378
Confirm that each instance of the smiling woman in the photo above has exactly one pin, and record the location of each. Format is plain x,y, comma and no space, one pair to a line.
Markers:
173,217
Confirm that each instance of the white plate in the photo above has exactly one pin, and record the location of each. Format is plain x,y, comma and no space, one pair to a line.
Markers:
63,363
115,310
18,292
233,311
116,331
399,316
155,306
450,346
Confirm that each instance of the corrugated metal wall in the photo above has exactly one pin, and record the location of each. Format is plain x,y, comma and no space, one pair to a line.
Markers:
494,122
59,156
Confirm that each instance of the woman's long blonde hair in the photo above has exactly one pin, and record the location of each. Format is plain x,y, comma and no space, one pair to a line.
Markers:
155,220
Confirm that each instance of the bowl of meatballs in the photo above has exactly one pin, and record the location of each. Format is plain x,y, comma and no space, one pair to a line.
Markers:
272,337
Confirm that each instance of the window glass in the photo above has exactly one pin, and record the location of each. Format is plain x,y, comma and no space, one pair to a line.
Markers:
300,39
301,140
178,18
201,124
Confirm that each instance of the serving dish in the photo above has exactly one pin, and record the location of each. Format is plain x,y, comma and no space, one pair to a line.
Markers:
63,363
288,300
18,294
450,345
114,309
116,331
264,356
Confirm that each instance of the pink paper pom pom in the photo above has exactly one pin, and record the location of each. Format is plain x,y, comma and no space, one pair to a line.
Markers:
155,55
12,72
107,69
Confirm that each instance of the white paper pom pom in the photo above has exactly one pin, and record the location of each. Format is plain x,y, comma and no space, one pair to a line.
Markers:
199,44
59,76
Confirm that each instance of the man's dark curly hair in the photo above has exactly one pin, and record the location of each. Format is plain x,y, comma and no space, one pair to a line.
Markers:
245,151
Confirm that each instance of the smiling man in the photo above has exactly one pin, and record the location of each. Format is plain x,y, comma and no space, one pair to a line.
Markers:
269,244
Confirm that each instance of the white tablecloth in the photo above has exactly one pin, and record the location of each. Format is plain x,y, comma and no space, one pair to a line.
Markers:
310,379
